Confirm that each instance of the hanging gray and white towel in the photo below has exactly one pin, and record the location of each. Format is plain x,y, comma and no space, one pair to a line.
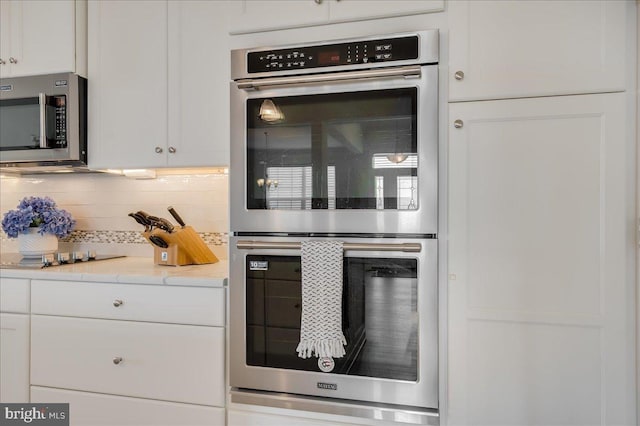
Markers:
321,324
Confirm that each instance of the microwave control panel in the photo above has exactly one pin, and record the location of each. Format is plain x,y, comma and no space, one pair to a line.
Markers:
329,55
59,103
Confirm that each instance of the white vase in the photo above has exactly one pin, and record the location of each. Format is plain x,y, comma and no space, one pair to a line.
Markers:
32,244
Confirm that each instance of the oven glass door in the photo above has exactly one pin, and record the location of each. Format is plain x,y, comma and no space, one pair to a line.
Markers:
354,150
379,316
389,319
347,156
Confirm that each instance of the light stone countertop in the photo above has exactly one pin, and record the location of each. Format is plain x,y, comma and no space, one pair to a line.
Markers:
131,270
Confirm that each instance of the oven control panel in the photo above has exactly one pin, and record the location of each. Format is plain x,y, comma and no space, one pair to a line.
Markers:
337,54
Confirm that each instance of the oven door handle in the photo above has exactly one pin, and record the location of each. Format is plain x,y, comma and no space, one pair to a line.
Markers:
280,245
405,72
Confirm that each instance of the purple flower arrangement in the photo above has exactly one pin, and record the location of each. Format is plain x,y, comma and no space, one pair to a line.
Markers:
38,212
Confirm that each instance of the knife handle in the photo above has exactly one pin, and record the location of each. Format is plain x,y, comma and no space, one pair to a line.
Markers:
176,216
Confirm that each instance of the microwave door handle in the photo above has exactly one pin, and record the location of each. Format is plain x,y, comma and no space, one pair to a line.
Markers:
280,245
404,72
42,101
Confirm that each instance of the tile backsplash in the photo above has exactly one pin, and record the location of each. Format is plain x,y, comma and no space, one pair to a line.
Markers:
100,204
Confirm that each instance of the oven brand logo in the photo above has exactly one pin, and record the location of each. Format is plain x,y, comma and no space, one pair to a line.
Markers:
258,265
35,414
328,386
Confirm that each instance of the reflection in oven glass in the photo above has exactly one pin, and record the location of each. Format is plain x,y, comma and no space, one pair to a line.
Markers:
353,150
380,319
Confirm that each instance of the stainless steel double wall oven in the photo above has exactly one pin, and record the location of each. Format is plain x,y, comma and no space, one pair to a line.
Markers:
338,141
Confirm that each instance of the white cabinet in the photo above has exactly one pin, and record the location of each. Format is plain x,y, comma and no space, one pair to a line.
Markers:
39,37
158,84
511,49
112,348
540,313
14,340
279,14
14,357
93,409
238,417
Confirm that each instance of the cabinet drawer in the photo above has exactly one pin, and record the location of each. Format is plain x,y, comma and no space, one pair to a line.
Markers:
91,409
181,363
14,295
154,303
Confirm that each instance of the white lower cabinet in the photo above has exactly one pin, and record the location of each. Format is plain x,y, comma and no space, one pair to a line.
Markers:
14,340
129,354
14,357
92,409
255,418
541,313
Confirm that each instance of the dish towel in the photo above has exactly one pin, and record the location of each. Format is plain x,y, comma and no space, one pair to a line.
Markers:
321,324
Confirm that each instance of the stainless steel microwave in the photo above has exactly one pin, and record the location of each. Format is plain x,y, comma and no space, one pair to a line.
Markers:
43,122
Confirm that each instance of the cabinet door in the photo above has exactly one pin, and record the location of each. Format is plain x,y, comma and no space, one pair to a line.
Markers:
127,84
93,409
199,82
351,10
540,309
5,38
275,14
42,36
169,362
509,49
14,358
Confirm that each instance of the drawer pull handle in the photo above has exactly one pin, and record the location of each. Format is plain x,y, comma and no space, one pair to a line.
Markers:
117,360
117,302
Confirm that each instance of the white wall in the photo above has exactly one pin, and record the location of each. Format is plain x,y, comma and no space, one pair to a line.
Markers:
100,204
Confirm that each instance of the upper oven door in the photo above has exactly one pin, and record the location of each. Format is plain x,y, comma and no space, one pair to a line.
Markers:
346,152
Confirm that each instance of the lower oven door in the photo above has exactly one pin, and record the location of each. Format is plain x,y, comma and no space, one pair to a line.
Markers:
389,319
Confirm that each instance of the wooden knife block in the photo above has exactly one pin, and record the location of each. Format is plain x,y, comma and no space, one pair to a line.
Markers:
185,248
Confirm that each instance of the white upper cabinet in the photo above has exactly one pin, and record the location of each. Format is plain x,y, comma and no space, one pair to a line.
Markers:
127,84
510,49
258,15
158,84
39,37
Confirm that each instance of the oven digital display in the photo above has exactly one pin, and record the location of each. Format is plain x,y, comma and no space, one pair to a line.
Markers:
326,58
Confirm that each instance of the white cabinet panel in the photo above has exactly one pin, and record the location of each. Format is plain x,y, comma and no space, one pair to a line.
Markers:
159,83
171,304
348,10
168,362
280,14
39,36
14,358
14,295
272,14
538,288
510,49
127,84
199,75
91,409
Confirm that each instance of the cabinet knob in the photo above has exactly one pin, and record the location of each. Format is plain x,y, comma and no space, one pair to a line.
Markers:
172,150
2,61
458,124
318,1
117,302
13,60
117,360
158,150
459,75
